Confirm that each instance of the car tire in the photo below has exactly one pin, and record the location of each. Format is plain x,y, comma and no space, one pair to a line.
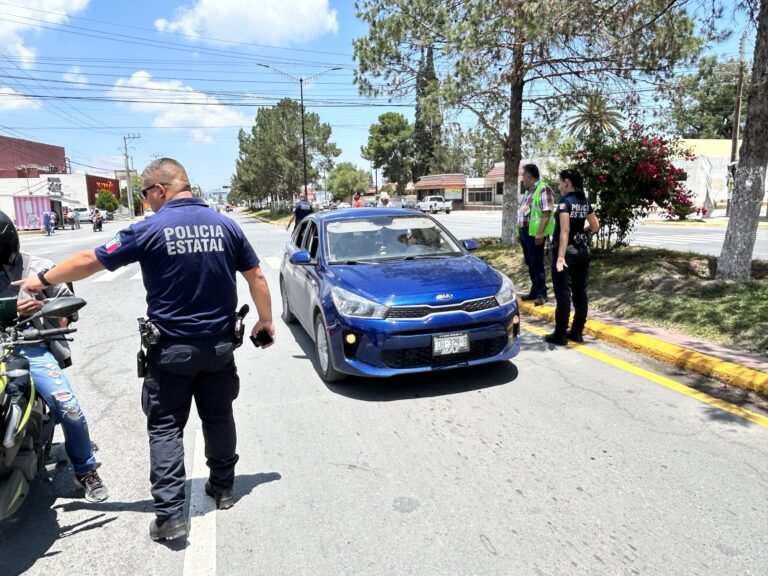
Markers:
287,316
323,350
447,211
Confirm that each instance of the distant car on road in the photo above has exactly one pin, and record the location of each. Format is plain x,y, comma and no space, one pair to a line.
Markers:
343,205
148,212
410,204
385,291
228,208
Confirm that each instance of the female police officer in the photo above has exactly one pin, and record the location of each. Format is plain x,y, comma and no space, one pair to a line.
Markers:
570,257
188,255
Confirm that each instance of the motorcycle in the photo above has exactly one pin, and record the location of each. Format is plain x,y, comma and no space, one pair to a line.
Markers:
26,424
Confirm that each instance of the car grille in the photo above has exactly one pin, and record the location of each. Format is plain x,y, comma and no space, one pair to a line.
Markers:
411,312
420,357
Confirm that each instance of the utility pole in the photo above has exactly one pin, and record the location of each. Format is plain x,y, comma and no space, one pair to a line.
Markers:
128,187
301,89
736,117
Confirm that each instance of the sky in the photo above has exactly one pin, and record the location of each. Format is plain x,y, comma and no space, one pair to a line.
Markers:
179,78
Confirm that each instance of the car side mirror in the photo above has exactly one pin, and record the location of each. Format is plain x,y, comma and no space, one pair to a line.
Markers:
469,244
300,258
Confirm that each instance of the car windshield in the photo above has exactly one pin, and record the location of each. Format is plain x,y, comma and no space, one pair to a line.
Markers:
381,238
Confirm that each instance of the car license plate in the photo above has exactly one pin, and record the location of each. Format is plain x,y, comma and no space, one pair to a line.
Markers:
450,344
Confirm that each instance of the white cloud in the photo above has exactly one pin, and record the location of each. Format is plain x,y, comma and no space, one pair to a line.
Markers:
278,22
29,15
177,106
11,100
73,75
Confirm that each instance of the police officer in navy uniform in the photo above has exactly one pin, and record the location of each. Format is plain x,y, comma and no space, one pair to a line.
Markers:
570,257
188,255
301,210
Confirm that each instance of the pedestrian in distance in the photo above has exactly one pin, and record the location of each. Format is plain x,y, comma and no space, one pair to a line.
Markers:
534,226
575,222
54,219
384,200
357,201
301,210
189,256
77,219
48,359
47,226
71,219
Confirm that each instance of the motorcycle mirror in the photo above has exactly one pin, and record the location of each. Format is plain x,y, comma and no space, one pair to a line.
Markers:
57,308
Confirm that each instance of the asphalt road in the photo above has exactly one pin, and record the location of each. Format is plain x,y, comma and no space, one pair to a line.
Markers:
702,238
556,463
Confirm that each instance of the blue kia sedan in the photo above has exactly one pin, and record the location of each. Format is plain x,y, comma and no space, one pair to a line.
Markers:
386,291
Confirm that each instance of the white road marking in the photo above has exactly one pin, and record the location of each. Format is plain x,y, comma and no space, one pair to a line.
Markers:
272,261
109,276
200,555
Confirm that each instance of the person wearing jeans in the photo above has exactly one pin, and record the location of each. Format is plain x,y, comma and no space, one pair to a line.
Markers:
47,360
534,226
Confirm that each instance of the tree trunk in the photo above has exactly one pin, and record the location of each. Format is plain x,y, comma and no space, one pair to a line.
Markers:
512,150
735,261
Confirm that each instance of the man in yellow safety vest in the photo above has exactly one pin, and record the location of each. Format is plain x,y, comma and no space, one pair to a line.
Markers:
535,223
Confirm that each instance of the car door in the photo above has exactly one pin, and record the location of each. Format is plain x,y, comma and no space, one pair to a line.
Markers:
307,278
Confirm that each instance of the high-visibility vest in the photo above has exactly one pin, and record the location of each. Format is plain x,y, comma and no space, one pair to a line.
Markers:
535,222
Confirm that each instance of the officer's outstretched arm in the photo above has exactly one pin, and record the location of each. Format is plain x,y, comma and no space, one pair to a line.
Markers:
259,289
77,267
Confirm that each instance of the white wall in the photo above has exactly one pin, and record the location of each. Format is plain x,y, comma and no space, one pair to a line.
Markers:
72,187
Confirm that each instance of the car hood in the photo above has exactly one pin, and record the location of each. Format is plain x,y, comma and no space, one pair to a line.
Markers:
424,281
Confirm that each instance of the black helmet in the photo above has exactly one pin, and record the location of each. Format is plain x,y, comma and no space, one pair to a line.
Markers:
9,240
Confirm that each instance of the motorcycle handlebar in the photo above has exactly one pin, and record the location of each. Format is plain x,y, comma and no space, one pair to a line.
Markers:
35,334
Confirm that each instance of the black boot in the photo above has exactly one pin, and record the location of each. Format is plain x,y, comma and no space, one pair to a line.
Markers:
168,528
556,338
575,336
224,497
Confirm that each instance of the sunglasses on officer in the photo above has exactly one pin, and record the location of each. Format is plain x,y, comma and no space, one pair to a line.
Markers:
148,188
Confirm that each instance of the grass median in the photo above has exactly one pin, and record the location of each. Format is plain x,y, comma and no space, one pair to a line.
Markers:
276,217
673,290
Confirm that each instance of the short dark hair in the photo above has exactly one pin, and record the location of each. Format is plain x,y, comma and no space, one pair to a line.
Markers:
532,170
575,177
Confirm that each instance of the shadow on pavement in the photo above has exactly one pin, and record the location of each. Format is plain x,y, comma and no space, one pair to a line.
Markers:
425,384
28,535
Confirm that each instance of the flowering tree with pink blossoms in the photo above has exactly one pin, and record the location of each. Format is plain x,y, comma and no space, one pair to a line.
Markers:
627,176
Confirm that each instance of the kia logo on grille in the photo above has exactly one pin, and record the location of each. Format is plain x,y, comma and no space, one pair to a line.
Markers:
444,296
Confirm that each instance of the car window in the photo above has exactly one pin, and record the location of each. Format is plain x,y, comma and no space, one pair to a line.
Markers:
311,240
380,238
298,234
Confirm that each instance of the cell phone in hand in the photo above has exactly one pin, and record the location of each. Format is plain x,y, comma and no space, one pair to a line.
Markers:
262,338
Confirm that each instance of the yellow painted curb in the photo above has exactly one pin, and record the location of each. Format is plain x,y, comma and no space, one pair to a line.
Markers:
722,370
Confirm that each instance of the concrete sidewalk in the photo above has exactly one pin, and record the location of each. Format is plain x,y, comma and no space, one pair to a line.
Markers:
735,367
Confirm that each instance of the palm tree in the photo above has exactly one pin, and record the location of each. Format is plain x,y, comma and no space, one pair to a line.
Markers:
594,117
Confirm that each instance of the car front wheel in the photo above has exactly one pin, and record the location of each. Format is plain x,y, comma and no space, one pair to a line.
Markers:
323,350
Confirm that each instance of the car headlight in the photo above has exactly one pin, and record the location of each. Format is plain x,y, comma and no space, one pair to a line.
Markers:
506,293
349,304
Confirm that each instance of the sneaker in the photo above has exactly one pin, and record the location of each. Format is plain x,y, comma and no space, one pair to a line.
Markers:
168,528
95,491
223,496
575,337
555,338
540,300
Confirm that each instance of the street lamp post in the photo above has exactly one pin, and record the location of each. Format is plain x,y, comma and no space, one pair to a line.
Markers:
301,93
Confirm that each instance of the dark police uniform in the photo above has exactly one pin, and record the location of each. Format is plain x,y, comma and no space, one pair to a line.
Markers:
301,210
189,255
572,282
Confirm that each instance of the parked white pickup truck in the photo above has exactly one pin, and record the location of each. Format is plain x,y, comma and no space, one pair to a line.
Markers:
434,204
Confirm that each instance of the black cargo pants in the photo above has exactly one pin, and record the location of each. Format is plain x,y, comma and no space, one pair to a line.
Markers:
571,284
177,371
